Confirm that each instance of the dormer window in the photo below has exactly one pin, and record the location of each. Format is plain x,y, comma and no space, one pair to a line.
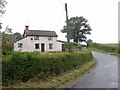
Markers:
50,38
36,38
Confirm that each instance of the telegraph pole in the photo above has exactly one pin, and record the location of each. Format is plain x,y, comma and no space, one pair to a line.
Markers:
67,24
68,40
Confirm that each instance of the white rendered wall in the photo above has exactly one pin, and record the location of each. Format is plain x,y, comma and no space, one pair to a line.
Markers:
29,45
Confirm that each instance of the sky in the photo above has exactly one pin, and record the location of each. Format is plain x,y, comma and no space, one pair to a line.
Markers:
102,15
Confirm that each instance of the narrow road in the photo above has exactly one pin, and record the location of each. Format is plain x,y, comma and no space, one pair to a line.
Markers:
104,75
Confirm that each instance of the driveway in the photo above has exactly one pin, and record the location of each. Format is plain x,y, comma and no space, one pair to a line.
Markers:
104,75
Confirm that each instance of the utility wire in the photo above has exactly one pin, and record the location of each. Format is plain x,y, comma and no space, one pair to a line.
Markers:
61,14
62,4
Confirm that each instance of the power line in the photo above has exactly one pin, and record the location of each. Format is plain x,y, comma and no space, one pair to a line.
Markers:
61,14
62,4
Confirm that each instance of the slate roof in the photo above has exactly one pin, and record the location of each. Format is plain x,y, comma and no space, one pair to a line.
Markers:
41,33
61,41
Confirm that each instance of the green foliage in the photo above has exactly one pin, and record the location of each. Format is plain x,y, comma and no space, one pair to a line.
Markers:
22,66
105,47
118,48
77,29
17,36
89,41
73,46
7,43
2,6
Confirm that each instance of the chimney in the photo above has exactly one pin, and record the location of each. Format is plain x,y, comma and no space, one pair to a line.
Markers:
26,27
26,31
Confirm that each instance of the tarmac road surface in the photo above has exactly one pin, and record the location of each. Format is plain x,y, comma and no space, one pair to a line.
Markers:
104,75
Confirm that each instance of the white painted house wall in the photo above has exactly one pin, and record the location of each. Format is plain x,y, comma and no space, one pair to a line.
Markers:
59,46
29,45
24,40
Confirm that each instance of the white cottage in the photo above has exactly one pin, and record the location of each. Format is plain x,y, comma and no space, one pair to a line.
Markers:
38,40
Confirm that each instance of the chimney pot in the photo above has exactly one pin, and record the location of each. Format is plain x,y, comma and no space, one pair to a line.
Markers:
26,27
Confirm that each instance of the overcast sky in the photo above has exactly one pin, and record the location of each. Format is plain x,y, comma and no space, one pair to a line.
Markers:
102,15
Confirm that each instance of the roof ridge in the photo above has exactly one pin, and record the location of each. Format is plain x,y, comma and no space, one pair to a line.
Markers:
42,33
41,30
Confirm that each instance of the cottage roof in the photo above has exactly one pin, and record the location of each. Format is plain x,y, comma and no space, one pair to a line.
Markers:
41,33
61,41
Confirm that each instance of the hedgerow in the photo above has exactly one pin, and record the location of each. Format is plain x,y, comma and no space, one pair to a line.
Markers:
105,47
23,66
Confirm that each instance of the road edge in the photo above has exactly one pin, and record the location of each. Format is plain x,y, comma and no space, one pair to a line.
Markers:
71,83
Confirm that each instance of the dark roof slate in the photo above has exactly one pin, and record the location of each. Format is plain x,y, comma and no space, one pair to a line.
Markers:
41,33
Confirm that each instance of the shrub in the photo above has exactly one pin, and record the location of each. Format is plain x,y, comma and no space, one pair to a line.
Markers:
22,66
73,46
118,48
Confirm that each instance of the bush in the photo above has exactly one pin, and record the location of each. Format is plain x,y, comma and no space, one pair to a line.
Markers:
22,66
73,46
118,48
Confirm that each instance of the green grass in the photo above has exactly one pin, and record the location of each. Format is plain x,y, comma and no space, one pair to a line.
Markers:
112,49
112,45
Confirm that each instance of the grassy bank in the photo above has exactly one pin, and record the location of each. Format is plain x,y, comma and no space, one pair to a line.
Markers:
112,49
103,51
60,80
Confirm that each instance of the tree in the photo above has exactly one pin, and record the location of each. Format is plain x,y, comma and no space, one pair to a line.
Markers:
2,6
7,41
78,27
2,10
17,36
89,41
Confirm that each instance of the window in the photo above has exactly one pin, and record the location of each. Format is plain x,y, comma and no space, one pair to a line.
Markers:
50,38
50,46
20,45
37,46
36,38
31,38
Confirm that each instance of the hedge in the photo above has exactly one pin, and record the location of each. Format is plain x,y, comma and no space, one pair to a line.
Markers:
22,66
104,47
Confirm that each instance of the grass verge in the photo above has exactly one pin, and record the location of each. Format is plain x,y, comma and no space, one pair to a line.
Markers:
60,80
98,50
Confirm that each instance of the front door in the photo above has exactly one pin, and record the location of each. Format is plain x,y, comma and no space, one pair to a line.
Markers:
63,47
42,47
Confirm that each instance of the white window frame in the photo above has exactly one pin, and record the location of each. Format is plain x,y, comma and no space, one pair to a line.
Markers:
38,46
50,38
31,38
36,37
20,45
50,45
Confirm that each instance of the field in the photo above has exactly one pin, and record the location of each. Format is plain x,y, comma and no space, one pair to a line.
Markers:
112,45
112,48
